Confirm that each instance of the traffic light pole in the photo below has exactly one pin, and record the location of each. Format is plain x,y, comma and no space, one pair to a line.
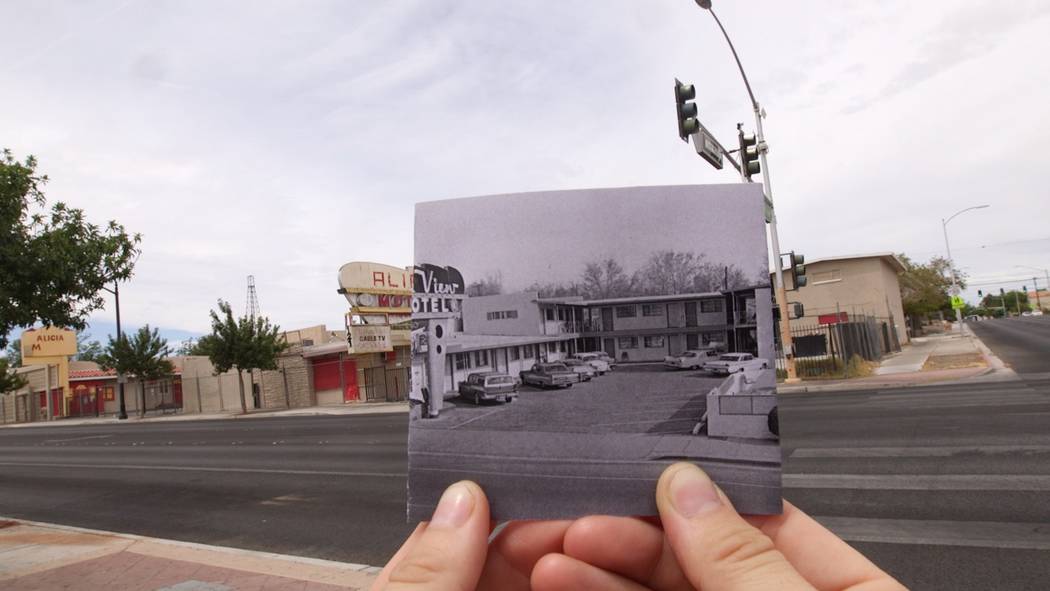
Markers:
778,268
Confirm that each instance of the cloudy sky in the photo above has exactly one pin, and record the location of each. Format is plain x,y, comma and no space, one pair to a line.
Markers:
283,139
549,237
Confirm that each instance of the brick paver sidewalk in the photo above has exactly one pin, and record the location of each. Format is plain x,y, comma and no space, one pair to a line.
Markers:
41,557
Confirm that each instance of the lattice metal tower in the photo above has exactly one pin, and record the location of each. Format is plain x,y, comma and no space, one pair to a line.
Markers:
251,307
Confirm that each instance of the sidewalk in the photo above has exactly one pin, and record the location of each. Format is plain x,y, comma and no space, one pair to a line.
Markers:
363,408
37,556
928,360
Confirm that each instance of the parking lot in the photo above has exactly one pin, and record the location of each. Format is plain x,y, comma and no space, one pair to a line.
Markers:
639,399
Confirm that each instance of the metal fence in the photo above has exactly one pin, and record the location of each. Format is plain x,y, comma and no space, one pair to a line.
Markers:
825,350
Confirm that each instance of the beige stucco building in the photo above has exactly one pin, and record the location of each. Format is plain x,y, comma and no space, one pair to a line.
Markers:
856,285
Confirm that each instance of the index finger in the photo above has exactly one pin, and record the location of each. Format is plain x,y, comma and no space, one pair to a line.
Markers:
637,550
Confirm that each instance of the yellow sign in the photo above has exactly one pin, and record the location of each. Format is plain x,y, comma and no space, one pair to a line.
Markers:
362,277
370,339
48,342
957,302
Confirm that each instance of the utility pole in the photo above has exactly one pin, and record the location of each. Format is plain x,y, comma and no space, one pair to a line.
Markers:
951,262
778,267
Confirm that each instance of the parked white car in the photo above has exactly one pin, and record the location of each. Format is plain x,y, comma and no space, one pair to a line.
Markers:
597,355
728,363
695,359
583,370
598,362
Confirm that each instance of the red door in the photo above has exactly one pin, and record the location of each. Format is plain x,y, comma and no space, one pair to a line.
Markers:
350,391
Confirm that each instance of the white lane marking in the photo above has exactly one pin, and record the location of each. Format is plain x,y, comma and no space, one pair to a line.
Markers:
1014,482
471,420
915,452
78,438
205,469
980,534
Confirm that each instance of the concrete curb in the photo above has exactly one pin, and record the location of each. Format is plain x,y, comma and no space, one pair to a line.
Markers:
269,563
887,385
361,409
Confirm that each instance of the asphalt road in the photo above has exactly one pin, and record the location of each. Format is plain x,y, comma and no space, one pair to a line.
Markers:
1022,343
326,487
946,487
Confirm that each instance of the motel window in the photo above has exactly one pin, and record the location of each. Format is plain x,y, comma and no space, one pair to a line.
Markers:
628,342
707,306
625,312
462,361
549,314
514,353
712,337
552,347
502,314
654,342
481,358
561,346
511,313
652,309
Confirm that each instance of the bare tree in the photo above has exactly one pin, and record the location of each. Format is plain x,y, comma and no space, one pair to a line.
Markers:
670,272
492,284
606,279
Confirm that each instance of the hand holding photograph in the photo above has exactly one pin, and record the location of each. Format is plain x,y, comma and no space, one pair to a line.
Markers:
569,345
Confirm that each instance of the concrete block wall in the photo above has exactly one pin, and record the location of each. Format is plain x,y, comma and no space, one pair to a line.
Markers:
288,387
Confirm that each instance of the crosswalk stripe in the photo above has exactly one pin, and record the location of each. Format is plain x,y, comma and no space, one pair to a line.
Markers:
1013,482
915,452
982,534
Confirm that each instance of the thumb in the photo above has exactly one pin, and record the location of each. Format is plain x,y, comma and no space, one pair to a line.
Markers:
716,549
450,552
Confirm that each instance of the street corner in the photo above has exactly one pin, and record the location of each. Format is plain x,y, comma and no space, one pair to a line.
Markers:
42,556
27,549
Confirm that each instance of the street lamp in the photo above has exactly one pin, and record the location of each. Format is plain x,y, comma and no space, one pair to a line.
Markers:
1046,274
762,148
951,262
123,414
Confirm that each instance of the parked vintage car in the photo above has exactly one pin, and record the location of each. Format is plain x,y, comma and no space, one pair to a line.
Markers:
599,362
549,375
584,371
695,359
479,387
600,355
728,363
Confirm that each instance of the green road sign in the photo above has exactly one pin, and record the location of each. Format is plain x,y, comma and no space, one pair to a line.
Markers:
957,302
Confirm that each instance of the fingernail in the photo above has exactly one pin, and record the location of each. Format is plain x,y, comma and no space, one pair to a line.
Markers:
454,508
692,492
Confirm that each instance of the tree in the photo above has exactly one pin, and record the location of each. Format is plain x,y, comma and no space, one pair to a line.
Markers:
190,346
88,350
143,356
54,263
241,343
9,380
492,284
668,272
606,279
1012,301
925,287
14,353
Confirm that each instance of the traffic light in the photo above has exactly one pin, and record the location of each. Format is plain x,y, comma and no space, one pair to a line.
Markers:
796,264
687,122
800,310
748,155
979,294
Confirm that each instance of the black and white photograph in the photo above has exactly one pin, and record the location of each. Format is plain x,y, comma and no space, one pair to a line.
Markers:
570,345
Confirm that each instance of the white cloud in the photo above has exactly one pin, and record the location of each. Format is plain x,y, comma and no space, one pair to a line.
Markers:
283,140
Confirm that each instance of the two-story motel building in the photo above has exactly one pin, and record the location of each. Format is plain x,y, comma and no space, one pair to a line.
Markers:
510,332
